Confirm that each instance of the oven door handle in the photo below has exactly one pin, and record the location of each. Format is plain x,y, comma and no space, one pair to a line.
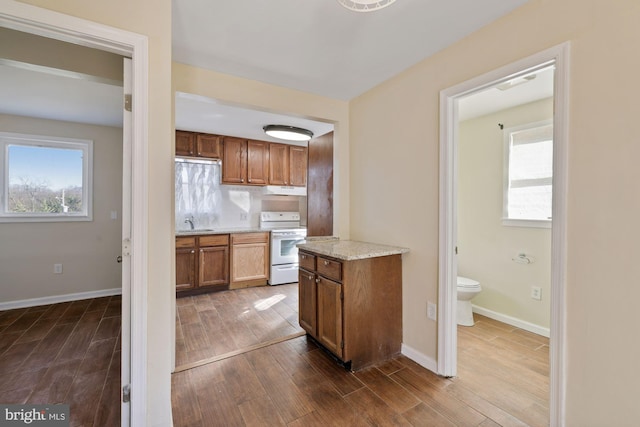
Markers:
286,267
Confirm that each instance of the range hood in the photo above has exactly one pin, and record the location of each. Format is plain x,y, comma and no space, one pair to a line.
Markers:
284,190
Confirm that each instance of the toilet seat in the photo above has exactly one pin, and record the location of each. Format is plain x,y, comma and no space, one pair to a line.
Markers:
467,284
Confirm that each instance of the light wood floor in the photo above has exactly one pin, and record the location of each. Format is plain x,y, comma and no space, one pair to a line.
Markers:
503,380
218,323
64,353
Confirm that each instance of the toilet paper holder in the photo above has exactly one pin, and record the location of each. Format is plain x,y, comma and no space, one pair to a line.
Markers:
523,258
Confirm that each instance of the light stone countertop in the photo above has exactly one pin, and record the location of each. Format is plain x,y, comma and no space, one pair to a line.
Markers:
348,250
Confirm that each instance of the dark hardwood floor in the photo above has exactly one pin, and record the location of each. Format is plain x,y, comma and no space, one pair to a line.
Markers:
64,353
502,381
219,323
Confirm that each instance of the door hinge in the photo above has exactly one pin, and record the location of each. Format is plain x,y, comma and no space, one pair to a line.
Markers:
127,102
456,250
342,344
126,247
126,393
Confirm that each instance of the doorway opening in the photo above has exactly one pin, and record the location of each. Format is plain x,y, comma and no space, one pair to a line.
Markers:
56,26
557,58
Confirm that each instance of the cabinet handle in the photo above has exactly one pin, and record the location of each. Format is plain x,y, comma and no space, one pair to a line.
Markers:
310,277
326,263
199,153
194,251
318,280
249,180
303,256
241,179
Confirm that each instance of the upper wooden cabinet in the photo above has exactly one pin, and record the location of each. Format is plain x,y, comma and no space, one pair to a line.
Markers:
287,165
195,144
245,161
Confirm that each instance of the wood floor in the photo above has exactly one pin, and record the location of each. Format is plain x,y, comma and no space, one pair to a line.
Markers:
503,380
219,323
64,353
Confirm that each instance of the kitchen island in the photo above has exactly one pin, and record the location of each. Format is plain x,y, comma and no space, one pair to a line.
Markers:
350,299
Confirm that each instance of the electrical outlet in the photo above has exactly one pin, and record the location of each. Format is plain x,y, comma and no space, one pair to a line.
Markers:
57,268
536,292
432,310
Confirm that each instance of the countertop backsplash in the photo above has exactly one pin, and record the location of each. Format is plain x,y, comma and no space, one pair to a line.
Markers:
199,195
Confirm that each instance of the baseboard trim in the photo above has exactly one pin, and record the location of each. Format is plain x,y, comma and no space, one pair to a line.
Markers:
513,321
33,302
420,358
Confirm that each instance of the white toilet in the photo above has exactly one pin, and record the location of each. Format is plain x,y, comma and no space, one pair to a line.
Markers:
467,289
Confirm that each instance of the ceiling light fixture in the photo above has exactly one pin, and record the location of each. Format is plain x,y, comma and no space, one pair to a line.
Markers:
365,5
290,133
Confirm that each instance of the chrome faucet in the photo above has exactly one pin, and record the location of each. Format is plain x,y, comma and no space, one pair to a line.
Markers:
190,221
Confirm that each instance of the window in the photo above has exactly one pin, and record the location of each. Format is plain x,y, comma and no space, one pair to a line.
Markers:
45,178
528,175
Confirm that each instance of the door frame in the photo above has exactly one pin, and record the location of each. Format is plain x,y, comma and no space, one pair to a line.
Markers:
55,25
447,290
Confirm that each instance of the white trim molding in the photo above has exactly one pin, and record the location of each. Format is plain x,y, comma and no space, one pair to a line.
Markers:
513,321
44,22
558,56
54,299
421,359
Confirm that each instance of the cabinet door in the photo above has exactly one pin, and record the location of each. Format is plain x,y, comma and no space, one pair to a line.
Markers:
297,165
249,262
257,162
214,266
185,269
278,164
208,146
330,315
185,143
307,301
234,161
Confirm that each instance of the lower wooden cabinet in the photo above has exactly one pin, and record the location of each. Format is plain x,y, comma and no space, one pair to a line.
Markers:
249,259
353,308
202,262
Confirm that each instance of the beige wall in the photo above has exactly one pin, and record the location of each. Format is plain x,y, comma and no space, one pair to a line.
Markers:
394,150
87,249
32,49
485,246
151,18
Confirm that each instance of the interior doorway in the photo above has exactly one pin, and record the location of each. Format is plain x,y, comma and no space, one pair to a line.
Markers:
449,134
53,25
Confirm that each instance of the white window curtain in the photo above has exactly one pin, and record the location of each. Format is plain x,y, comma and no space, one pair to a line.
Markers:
198,196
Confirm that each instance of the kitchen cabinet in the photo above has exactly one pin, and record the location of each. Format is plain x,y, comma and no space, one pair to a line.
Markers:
214,260
352,307
193,144
249,259
287,165
245,161
185,263
202,263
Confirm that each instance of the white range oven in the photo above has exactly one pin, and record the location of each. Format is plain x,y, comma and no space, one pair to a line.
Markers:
286,233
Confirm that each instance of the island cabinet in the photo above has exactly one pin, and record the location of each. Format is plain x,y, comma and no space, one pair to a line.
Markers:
352,307
249,259
202,263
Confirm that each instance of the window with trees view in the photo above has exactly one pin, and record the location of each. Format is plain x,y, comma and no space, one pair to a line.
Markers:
45,178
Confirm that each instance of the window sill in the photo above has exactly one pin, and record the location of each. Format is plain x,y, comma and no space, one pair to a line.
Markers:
527,223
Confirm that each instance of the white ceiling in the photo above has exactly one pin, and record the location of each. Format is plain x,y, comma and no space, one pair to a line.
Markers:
317,46
493,99
197,113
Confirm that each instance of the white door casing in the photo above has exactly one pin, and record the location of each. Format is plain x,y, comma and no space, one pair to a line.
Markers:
447,286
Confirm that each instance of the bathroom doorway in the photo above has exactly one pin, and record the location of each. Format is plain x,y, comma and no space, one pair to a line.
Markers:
508,78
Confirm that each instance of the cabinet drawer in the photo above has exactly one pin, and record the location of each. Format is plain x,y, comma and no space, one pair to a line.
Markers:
307,261
185,242
215,240
239,239
329,268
